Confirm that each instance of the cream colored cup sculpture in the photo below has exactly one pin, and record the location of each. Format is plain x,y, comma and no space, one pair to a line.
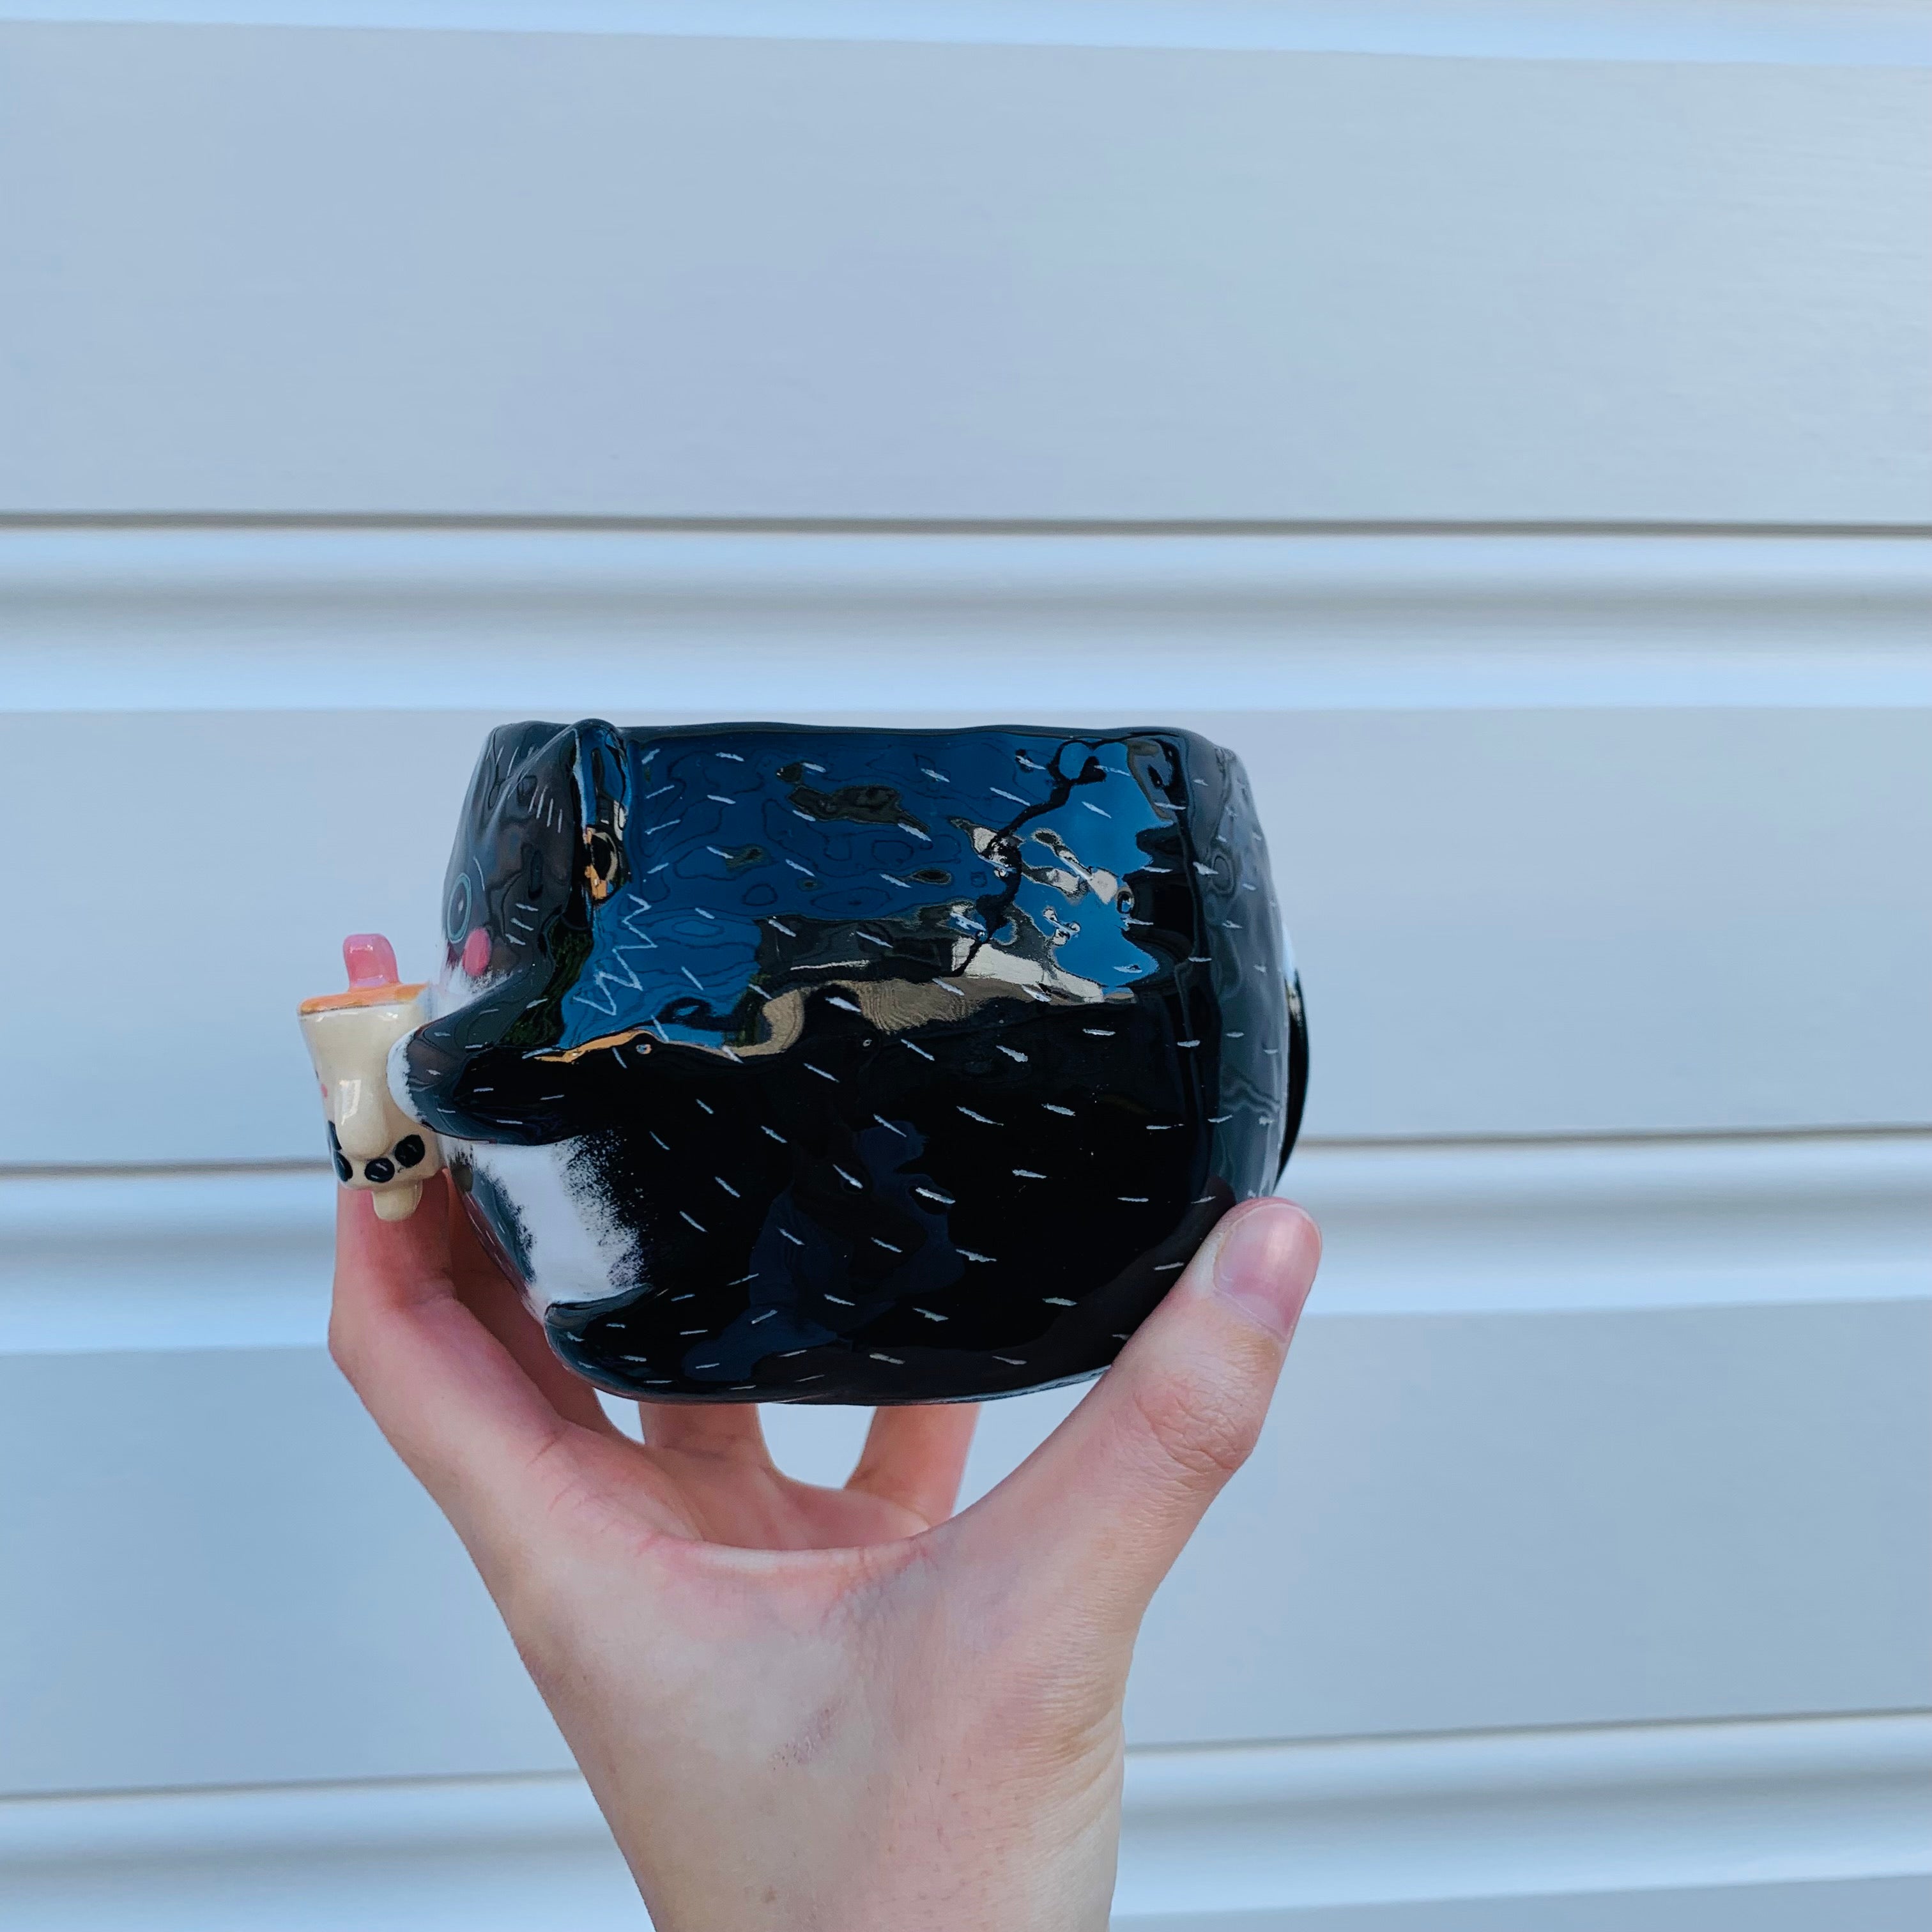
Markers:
375,1145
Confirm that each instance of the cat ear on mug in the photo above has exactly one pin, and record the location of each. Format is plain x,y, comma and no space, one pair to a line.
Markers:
374,1144
602,772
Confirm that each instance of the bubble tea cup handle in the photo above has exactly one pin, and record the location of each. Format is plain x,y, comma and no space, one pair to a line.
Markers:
375,1144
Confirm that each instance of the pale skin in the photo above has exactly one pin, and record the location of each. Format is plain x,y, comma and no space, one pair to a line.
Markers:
806,1707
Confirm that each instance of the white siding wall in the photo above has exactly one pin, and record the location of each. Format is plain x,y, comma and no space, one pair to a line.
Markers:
1510,426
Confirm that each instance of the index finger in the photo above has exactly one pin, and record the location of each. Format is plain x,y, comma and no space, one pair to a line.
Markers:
451,1398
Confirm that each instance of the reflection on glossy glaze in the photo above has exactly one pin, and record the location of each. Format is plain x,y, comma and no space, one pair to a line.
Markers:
784,1063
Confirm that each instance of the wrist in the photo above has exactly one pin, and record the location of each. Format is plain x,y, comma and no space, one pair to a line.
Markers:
1014,1855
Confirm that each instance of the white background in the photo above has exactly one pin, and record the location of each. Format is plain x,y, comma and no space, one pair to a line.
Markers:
1509,425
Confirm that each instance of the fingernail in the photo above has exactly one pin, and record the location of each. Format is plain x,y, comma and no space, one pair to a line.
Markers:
1265,1264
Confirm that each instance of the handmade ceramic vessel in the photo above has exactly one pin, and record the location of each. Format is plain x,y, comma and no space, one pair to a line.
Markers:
784,1063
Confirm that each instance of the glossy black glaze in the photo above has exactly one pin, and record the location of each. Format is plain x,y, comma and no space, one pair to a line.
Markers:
879,1066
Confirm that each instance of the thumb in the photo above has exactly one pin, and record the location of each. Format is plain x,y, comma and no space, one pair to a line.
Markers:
1099,1511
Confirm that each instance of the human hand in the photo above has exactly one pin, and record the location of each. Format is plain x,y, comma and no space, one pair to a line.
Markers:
809,1707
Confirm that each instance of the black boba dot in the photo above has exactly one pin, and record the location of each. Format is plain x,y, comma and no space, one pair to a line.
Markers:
380,1170
343,1171
409,1150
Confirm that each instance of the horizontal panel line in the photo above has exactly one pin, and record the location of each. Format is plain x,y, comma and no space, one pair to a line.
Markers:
378,520
1659,1730
202,1256
1776,32
565,619
1228,1828
1715,1137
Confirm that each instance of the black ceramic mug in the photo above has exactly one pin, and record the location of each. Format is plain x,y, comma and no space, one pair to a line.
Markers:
790,1063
